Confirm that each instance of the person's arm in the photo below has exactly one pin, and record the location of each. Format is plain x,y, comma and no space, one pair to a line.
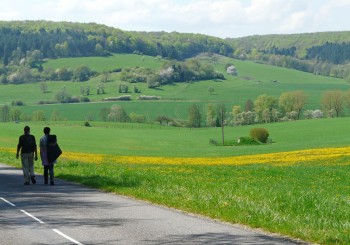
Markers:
35,150
36,153
18,147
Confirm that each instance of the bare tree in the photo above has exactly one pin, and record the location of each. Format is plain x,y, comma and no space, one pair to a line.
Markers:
43,87
211,90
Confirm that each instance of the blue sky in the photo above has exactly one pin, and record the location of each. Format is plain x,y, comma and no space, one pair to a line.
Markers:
221,18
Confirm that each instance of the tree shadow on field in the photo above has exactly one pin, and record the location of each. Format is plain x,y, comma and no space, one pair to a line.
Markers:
104,182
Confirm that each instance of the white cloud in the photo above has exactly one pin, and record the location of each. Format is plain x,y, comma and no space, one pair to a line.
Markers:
65,7
9,15
294,22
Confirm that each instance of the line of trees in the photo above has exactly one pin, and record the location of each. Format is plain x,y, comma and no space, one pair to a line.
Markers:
265,109
24,74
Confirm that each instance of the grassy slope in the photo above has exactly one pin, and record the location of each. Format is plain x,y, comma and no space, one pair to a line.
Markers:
253,80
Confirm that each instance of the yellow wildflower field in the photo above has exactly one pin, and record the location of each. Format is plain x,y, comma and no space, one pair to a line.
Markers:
276,159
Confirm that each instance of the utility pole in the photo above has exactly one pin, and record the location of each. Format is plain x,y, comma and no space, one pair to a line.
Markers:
222,126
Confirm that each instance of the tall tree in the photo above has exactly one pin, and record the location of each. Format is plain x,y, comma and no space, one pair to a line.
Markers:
118,114
249,105
5,113
264,106
211,115
15,114
333,100
195,116
292,101
82,73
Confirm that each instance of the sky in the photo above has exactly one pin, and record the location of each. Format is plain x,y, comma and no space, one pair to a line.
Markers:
220,18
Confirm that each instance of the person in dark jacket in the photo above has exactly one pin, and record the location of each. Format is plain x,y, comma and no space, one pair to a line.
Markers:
28,149
45,143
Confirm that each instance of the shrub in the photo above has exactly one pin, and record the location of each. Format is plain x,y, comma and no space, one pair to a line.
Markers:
260,134
148,97
122,98
87,124
43,102
84,99
136,90
63,96
123,88
213,142
38,116
247,141
137,118
116,70
74,99
17,103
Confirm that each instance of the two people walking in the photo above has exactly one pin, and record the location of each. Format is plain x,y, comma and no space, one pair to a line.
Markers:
28,149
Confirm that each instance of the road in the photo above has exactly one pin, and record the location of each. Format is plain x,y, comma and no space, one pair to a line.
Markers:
69,213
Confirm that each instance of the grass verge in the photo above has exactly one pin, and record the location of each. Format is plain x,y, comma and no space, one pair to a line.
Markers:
306,199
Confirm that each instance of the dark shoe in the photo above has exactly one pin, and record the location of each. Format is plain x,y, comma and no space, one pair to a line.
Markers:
52,183
26,183
46,182
33,180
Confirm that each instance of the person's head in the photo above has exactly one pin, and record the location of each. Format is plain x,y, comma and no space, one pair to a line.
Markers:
26,129
46,130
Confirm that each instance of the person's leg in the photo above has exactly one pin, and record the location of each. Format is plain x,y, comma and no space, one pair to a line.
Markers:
25,168
46,174
31,167
52,182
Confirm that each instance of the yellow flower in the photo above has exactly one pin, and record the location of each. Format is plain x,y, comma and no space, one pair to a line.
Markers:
277,159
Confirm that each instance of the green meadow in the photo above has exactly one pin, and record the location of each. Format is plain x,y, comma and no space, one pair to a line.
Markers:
252,80
109,63
308,200
132,139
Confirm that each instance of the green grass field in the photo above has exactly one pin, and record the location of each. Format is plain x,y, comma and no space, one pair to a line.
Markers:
252,81
155,140
109,63
306,199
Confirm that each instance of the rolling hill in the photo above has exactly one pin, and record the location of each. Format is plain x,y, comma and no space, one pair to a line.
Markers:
253,80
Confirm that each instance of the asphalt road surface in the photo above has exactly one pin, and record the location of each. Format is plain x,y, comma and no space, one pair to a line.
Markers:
70,213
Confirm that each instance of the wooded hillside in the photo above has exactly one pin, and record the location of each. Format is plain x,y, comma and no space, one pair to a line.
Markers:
27,42
64,39
324,53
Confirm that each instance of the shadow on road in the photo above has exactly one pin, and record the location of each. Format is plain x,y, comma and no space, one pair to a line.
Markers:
219,238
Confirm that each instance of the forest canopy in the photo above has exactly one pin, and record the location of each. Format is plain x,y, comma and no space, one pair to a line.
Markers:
65,39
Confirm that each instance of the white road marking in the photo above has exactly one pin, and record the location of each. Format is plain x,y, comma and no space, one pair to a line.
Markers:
41,222
13,205
67,237
32,216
